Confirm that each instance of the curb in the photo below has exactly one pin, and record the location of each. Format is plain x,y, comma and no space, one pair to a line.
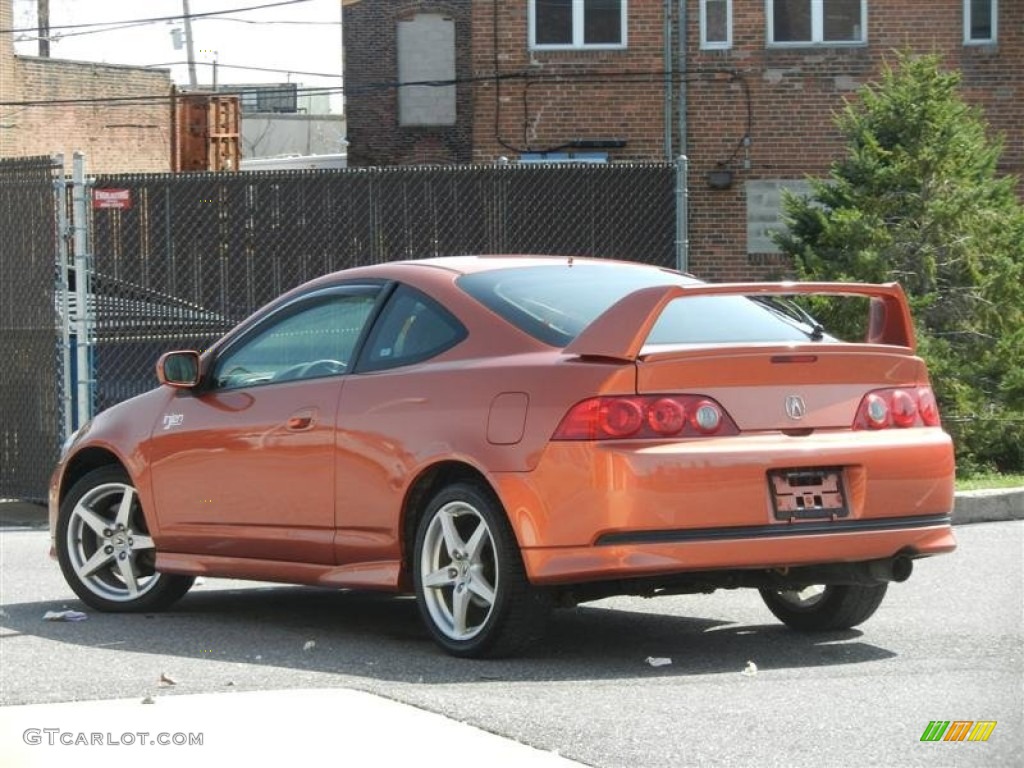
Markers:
988,506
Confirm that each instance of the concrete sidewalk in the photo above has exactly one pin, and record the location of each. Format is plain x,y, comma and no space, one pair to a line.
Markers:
971,507
333,726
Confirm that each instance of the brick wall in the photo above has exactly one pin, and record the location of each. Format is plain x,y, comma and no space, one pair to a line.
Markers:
795,92
784,99
371,102
117,138
8,81
560,96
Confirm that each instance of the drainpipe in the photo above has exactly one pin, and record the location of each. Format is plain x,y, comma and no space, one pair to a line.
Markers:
669,59
683,167
682,75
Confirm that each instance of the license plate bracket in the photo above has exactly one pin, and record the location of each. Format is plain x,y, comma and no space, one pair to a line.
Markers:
808,493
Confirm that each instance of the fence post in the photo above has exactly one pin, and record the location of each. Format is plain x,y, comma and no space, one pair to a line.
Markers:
60,206
682,214
83,292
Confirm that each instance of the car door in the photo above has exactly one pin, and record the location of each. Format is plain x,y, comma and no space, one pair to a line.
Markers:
388,419
244,468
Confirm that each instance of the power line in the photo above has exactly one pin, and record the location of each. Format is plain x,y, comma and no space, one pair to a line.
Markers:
125,101
153,19
278,21
253,69
59,37
654,77
144,23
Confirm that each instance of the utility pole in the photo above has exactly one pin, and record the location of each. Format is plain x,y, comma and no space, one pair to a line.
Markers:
43,12
189,50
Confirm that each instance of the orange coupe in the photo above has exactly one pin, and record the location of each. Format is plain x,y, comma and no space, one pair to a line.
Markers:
501,435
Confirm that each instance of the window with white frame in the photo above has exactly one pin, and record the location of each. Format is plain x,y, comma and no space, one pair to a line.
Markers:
816,22
715,24
568,24
980,18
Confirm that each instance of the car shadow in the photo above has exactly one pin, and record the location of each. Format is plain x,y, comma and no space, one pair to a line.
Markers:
381,637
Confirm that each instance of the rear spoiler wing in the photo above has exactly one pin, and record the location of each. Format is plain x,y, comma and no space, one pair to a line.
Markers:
621,331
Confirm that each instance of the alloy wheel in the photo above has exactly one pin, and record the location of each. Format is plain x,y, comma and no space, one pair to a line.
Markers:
108,546
459,570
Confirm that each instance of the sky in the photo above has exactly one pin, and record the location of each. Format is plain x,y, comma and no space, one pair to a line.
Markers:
297,38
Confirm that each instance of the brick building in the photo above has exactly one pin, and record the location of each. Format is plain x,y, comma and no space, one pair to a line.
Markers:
751,89
408,125
117,136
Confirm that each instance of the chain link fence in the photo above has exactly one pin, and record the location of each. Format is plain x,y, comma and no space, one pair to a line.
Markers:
195,254
181,259
31,417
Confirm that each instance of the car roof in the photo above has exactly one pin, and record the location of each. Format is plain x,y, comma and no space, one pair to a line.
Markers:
465,265
456,266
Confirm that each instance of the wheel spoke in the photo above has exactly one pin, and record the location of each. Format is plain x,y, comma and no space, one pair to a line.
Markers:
476,542
124,510
460,607
89,567
440,578
128,574
452,540
481,588
90,518
141,541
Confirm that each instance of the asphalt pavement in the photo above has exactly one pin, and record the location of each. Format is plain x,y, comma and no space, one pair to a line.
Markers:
290,725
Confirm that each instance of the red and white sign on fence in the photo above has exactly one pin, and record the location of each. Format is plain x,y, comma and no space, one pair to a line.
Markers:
112,198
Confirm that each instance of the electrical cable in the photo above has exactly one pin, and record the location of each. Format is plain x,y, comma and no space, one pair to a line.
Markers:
154,19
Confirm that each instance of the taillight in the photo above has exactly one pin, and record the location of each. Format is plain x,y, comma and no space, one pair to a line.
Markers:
900,407
639,417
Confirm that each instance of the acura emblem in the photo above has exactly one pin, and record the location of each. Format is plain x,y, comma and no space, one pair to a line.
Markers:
795,407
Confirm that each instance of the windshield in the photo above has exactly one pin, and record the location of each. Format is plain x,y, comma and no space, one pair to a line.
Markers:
554,303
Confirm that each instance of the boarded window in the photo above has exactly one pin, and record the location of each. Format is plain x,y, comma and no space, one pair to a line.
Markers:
426,55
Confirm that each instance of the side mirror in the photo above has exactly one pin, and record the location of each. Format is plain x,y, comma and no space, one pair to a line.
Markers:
178,369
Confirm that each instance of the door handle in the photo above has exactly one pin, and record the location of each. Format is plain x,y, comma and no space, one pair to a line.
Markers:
302,420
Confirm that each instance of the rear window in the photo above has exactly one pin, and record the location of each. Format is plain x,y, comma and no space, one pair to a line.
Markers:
554,303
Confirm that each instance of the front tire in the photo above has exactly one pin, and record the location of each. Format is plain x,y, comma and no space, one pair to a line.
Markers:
820,608
105,550
470,582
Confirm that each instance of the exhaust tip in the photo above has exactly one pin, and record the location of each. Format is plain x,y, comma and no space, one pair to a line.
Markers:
902,567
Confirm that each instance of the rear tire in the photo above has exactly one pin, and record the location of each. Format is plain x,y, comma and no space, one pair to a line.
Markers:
105,550
471,586
819,608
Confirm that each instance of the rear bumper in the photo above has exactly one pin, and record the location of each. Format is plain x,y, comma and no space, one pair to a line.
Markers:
721,549
594,511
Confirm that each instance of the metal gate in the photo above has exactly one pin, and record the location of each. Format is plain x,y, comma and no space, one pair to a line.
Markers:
32,198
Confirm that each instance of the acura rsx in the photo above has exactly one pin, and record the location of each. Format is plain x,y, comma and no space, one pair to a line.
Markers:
502,435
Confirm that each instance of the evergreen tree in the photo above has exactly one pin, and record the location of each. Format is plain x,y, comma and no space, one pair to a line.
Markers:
917,199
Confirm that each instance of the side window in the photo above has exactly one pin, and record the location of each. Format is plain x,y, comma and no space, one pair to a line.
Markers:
314,339
816,22
412,328
980,17
715,24
577,24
